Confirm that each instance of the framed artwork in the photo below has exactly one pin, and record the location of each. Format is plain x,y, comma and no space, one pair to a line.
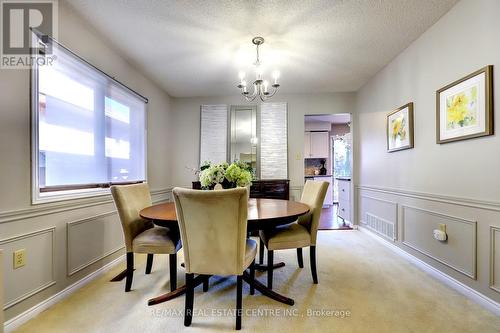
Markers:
400,128
464,108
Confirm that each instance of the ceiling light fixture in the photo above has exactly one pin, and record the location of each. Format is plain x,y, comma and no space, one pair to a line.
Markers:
260,86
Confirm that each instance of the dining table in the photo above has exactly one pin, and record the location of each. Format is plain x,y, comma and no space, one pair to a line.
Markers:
263,214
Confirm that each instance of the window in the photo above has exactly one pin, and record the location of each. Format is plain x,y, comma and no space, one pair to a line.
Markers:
89,131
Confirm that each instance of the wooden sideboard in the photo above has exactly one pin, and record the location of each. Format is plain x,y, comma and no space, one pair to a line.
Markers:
269,188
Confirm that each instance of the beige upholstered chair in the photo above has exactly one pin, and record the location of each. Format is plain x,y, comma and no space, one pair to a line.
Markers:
213,226
141,236
300,234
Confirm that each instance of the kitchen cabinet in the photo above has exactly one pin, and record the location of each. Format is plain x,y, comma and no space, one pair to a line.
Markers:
307,144
344,209
329,193
316,145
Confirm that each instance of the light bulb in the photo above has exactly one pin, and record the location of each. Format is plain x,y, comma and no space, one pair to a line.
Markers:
276,75
265,85
258,73
241,76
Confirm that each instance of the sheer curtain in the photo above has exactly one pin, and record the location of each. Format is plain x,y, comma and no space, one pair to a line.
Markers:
91,130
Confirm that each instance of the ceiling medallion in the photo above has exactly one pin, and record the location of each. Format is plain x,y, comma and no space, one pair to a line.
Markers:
260,86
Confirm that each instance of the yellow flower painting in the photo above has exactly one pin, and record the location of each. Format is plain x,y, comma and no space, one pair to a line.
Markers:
462,109
399,128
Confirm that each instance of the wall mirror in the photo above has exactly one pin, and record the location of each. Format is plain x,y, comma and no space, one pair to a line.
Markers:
255,134
243,138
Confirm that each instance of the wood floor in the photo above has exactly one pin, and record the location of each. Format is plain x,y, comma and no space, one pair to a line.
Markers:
330,221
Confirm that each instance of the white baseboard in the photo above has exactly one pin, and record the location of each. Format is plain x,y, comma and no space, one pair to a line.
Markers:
465,290
22,318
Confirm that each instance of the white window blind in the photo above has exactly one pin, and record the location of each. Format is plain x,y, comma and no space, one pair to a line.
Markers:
274,141
213,140
90,130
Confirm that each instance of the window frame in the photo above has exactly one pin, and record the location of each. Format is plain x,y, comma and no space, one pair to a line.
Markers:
69,192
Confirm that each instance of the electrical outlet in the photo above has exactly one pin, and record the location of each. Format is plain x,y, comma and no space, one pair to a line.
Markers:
442,227
19,258
298,156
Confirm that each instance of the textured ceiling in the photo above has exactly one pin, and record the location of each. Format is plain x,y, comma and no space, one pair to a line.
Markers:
197,47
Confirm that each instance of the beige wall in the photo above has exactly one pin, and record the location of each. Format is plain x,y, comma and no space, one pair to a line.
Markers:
456,183
51,233
186,125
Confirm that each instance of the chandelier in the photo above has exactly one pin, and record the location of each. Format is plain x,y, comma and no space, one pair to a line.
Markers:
260,86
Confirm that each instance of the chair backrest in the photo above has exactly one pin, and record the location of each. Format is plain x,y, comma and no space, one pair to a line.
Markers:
313,195
213,226
129,200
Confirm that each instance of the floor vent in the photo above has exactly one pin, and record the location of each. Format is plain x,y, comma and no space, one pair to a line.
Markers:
381,226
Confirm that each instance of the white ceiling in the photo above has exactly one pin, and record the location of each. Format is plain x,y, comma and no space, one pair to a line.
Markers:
197,47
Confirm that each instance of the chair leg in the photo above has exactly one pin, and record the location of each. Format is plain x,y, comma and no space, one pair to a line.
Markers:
188,310
312,252
239,292
270,258
172,261
252,277
261,252
205,283
299,257
130,271
149,263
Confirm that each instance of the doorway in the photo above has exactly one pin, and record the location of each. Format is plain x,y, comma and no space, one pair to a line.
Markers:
328,157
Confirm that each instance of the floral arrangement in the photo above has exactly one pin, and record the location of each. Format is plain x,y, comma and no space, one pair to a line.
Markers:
237,174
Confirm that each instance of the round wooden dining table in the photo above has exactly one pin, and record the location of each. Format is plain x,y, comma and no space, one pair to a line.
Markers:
262,214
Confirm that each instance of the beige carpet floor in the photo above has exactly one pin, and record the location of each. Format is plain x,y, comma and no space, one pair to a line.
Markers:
364,287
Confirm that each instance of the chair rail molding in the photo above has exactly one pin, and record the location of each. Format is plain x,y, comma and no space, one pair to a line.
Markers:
73,204
461,201
472,274
493,231
46,284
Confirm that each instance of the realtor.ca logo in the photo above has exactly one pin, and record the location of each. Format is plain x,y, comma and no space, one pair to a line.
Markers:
25,26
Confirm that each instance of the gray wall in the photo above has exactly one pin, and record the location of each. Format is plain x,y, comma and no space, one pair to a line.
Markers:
456,183
65,241
186,124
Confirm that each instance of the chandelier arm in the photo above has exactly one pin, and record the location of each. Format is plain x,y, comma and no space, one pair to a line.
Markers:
275,90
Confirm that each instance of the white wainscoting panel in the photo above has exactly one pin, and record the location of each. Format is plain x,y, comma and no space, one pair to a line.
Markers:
92,239
495,258
458,252
38,273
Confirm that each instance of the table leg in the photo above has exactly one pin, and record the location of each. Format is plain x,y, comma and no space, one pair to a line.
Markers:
200,278
266,291
120,276
263,268
177,292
